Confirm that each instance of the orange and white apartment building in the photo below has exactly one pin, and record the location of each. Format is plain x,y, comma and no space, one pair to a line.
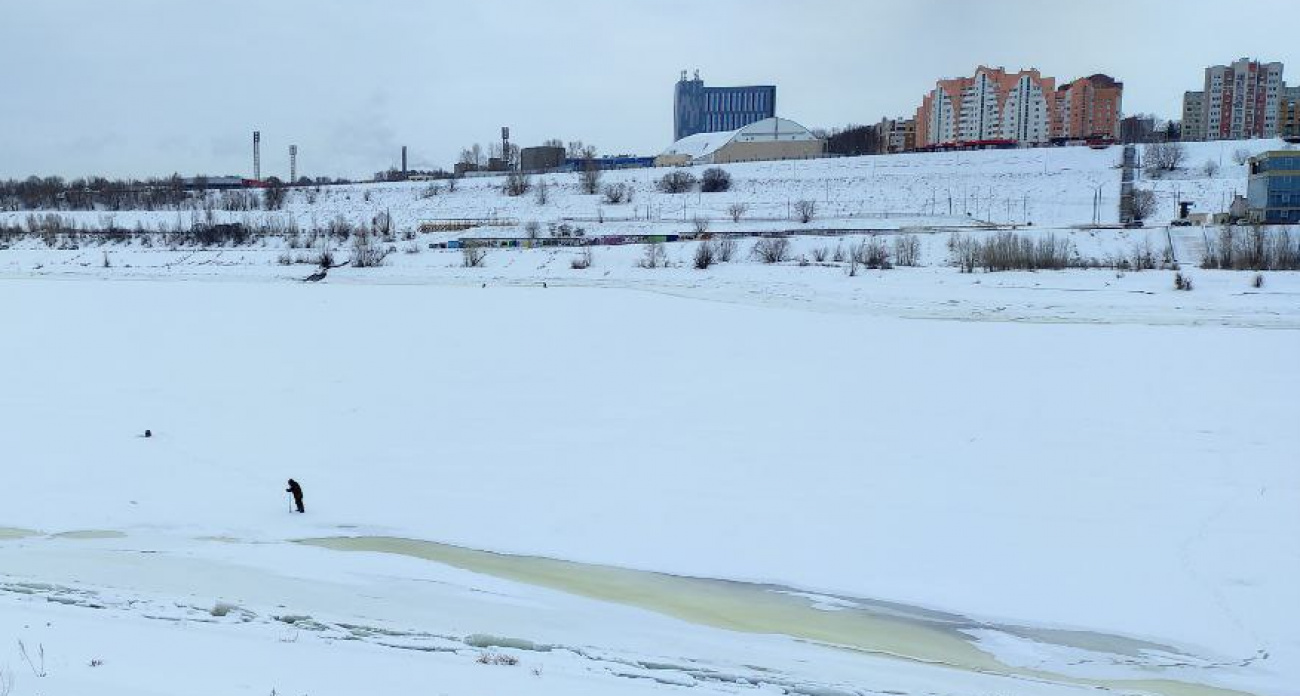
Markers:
998,108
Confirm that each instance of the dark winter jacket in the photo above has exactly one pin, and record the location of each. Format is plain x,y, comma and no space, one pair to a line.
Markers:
295,489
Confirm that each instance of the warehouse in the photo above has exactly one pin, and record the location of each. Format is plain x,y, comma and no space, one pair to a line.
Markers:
769,139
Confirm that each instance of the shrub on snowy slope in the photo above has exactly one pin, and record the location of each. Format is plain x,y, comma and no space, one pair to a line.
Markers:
677,181
714,180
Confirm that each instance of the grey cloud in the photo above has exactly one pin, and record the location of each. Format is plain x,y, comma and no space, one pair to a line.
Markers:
141,87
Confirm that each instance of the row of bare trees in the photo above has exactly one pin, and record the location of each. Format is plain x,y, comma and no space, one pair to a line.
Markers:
1008,251
1254,248
166,193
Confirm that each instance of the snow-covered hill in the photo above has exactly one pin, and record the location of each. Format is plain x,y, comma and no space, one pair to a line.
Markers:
1048,187
1209,176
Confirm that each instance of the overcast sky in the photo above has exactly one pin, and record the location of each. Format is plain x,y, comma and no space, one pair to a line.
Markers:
150,87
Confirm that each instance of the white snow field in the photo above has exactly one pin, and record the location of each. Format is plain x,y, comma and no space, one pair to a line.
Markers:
965,507
528,478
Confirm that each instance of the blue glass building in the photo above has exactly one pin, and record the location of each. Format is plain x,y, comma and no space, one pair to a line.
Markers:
1273,193
700,109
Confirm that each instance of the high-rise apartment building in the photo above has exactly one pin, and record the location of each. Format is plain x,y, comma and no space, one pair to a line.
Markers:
993,105
1088,108
1193,127
1022,108
1288,113
1237,101
895,135
700,109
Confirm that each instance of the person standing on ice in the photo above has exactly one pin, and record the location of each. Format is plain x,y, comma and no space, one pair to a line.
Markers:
296,490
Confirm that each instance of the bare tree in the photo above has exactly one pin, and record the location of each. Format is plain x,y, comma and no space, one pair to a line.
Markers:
1009,251
677,181
472,156
805,210
715,179
736,211
965,252
533,228
1165,157
871,253
700,224
724,249
1210,168
543,192
382,225
367,251
517,184
589,175
1255,248
772,249
907,250
1144,204
704,255
1241,155
617,193
274,194
577,149
654,256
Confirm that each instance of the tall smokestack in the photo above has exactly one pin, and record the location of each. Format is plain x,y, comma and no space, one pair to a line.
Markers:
257,155
403,159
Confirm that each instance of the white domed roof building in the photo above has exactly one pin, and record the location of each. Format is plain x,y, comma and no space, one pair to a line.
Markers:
769,139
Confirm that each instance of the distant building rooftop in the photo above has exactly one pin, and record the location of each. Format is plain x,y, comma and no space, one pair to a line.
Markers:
767,130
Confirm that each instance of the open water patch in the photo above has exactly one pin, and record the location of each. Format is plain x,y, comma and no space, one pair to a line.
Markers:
89,534
877,627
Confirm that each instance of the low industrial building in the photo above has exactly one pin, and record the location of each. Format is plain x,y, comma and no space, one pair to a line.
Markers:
541,159
1273,192
768,139
609,162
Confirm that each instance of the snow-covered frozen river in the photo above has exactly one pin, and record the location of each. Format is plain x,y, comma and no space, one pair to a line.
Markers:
1049,502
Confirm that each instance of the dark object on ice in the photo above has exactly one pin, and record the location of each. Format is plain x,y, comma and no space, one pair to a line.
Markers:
296,490
316,277
148,433
543,284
